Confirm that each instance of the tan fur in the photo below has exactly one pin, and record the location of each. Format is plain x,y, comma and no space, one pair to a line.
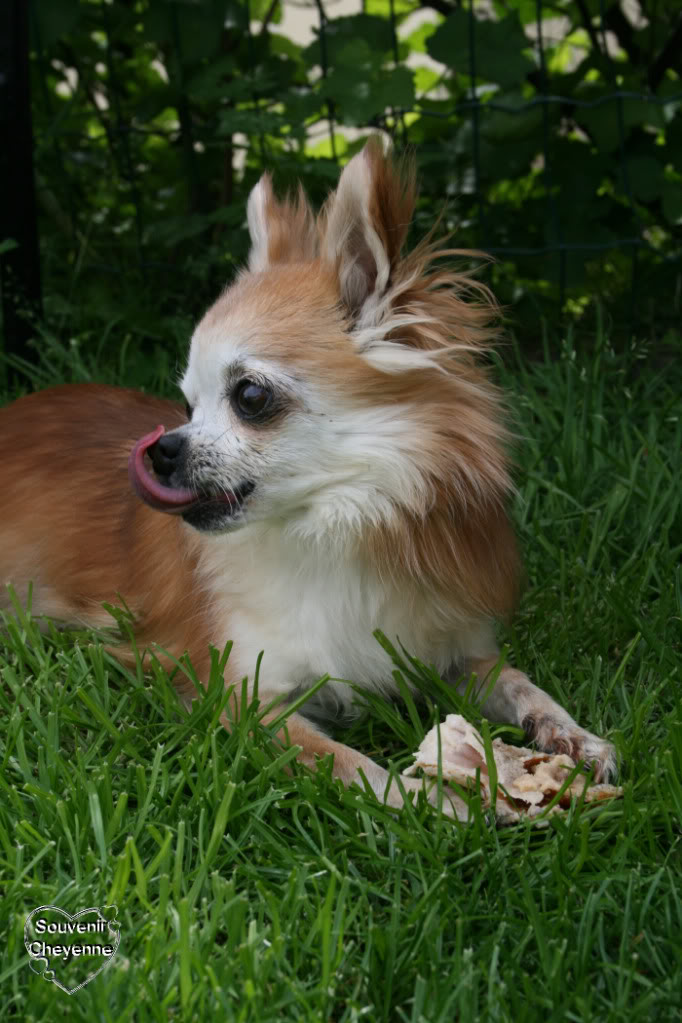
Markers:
73,527
291,229
335,302
292,238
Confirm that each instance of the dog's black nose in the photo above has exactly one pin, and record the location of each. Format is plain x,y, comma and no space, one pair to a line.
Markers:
166,454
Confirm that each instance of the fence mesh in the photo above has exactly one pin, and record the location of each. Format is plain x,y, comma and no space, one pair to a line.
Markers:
148,136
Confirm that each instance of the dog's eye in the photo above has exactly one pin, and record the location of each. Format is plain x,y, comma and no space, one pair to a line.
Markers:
251,400
189,411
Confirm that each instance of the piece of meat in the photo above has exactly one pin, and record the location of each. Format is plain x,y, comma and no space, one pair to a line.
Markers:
527,780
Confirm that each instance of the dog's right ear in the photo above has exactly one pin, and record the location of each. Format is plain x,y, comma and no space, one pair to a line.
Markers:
281,232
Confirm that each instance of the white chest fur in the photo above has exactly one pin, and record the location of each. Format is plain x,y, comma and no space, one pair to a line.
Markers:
313,612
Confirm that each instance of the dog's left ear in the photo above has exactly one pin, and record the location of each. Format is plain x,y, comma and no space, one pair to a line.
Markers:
363,226
282,231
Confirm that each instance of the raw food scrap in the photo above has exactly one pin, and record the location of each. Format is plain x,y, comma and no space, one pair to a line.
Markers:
526,780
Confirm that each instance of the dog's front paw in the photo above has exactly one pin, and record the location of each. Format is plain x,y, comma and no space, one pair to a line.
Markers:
555,736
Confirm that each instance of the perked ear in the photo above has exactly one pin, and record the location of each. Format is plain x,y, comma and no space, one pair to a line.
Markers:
281,231
363,226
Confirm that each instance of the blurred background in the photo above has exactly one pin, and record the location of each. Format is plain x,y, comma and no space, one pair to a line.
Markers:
548,134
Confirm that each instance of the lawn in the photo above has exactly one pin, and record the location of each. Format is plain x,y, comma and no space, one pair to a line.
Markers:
246,893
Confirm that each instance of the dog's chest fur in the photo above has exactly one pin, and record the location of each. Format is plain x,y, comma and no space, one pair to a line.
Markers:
314,613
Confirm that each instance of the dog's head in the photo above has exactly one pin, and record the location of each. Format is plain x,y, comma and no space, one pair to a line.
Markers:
333,385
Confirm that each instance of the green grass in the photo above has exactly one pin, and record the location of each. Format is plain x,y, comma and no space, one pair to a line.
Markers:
246,893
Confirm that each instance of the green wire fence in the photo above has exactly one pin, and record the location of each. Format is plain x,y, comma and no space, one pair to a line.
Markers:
555,145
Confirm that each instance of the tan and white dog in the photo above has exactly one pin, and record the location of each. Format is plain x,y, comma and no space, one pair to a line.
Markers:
340,467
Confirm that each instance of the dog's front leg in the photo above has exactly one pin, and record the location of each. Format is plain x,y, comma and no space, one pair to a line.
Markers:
514,698
350,766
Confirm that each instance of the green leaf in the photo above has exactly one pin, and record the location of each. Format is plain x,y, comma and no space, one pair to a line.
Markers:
342,33
259,8
496,53
175,229
383,7
364,90
517,121
224,79
250,121
279,44
418,40
211,82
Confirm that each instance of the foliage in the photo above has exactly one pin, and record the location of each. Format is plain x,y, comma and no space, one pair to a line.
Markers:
153,118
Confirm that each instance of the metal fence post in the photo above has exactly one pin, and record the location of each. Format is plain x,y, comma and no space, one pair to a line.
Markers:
20,262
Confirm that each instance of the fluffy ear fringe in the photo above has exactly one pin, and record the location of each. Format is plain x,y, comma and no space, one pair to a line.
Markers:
431,317
404,314
281,231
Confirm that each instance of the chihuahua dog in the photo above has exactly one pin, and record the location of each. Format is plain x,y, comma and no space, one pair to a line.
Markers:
339,467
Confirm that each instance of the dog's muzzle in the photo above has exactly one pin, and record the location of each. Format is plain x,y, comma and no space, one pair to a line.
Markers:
168,455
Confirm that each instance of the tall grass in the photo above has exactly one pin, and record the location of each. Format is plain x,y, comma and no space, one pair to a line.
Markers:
248,893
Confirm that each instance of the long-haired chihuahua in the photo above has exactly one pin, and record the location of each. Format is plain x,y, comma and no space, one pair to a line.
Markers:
339,467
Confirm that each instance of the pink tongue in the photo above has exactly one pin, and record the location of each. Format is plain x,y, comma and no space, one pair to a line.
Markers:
168,499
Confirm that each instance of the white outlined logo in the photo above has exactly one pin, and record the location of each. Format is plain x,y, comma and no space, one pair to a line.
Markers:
70,951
